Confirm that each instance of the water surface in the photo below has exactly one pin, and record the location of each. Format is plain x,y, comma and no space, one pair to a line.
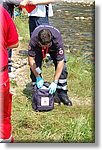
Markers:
76,24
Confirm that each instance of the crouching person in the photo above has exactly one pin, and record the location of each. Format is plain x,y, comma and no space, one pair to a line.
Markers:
8,39
47,39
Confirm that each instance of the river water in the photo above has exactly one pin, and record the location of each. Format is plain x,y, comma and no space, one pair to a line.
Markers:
76,23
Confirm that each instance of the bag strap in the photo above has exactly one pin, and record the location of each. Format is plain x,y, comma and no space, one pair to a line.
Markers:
44,52
46,84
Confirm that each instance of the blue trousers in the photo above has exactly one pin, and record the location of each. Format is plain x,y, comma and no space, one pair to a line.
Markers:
36,21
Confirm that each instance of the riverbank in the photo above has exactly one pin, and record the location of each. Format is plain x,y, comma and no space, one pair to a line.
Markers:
64,124
80,1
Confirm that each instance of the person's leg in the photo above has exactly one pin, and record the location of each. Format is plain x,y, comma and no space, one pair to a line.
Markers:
32,24
5,124
62,83
10,68
36,21
9,60
62,87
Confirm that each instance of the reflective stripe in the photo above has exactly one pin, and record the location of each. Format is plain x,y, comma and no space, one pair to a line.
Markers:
6,140
62,87
62,80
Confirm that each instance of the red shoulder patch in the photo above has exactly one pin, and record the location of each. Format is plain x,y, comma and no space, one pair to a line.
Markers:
61,51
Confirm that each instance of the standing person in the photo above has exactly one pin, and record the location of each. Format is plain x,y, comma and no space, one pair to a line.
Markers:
8,39
47,39
38,16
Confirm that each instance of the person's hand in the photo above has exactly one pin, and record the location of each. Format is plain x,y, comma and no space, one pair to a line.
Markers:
39,82
24,2
32,2
52,87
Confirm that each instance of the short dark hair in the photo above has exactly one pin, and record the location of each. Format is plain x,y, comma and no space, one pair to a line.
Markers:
44,36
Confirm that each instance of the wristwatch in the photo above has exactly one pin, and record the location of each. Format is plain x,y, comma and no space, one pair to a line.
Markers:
38,70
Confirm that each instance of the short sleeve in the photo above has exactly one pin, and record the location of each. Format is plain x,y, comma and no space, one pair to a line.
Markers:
12,34
59,47
31,50
60,54
32,45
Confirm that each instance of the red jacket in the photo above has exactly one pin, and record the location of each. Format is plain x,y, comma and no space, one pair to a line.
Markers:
8,37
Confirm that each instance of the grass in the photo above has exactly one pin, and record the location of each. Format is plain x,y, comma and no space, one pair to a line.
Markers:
81,77
23,29
64,124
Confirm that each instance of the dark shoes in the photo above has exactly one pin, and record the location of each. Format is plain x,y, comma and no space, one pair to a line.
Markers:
62,97
66,101
57,99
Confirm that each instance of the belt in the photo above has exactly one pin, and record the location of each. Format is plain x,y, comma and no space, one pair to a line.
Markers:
4,68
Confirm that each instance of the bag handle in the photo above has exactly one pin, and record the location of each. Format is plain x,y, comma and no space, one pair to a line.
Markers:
46,84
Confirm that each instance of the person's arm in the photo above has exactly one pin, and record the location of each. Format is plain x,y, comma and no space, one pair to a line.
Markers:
38,2
14,45
12,34
53,85
32,65
59,69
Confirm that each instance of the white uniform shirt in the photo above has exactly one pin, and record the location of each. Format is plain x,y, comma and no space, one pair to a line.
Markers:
40,11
